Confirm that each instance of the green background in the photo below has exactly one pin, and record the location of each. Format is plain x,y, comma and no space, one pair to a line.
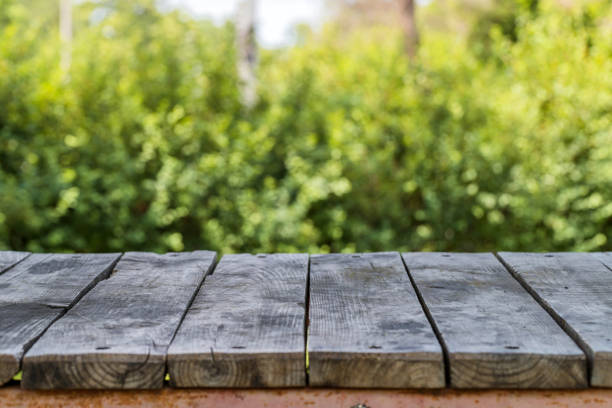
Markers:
499,139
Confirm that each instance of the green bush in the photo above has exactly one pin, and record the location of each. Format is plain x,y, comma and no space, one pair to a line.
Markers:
144,145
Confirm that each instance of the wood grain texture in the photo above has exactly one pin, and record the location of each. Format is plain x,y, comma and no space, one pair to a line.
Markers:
37,291
605,258
246,326
367,328
576,288
495,334
10,258
117,336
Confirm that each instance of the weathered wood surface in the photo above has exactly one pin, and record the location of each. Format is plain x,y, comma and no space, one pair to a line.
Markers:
605,258
367,327
117,336
576,288
10,258
37,291
246,326
495,334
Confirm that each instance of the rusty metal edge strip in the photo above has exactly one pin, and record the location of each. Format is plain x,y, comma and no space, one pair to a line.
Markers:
12,396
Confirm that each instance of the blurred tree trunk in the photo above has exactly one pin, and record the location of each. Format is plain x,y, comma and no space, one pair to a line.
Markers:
65,28
247,51
411,34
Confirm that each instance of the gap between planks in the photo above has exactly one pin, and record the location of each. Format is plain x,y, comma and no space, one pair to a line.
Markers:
246,326
433,324
573,287
118,334
368,329
36,314
496,335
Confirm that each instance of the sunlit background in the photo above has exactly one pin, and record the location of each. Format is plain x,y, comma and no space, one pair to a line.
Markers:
315,126
275,19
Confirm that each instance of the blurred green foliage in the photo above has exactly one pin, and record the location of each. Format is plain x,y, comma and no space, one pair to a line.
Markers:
501,140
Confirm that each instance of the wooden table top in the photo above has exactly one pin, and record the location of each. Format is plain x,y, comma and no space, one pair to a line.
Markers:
384,320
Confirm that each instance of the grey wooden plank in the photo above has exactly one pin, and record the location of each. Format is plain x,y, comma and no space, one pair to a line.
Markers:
118,334
10,258
37,291
246,326
576,288
605,258
367,328
495,334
